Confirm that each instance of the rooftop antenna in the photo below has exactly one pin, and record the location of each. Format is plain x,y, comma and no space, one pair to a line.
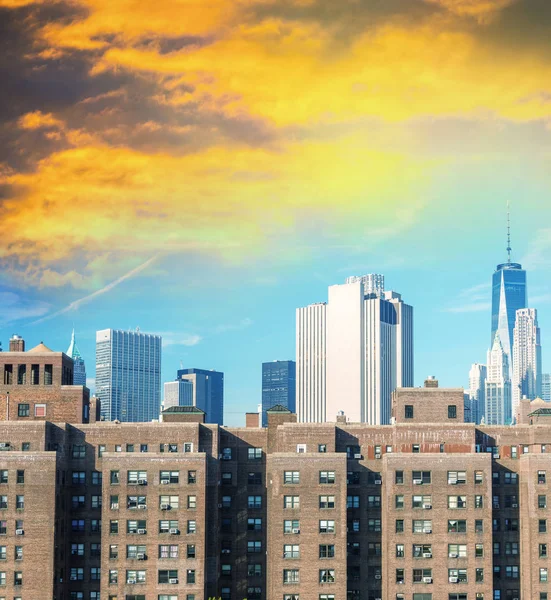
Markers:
508,232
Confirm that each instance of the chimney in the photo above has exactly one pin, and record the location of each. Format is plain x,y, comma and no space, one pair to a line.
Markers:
17,343
341,417
431,382
252,420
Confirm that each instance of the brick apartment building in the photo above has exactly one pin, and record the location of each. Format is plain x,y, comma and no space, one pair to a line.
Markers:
428,508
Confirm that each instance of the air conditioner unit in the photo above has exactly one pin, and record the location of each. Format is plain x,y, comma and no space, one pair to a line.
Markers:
514,505
142,506
142,481
4,444
130,581
142,531
164,481
427,579
427,554
452,481
165,506
173,580
428,530
378,455
453,579
296,530
377,576
173,531
417,481
427,506
140,556
19,532
377,482
359,456
454,555
115,506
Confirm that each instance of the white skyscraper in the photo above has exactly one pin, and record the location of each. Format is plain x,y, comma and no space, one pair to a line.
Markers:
368,337
498,386
476,392
546,387
178,393
310,375
526,357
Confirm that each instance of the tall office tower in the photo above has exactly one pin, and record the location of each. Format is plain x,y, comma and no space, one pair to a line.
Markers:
208,392
178,393
128,375
79,372
310,350
368,351
476,392
498,386
526,357
508,296
278,386
546,387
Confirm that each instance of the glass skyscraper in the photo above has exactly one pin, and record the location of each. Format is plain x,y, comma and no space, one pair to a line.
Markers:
79,372
128,375
278,386
208,392
508,296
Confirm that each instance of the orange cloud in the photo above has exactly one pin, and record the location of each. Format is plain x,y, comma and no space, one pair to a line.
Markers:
39,120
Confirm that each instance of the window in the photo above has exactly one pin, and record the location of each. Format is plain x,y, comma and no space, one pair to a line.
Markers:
301,448
291,501
457,477
399,526
254,524
421,477
511,548
8,374
400,577
96,478
95,573
543,550
327,477
166,575
77,525
399,477
254,453
191,502
256,502
327,501
408,411
78,501
291,477
168,477
511,478
327,551
457,550
254,547
114,477
191,477
422,526
542,525
479,550
291,551
424,502
352,502
25,446
479,501
327,526
22,377
373,525
512,572
291,526
416,448
39,410
322,447
23,410
452,411
137,477
77,549
374,501
327,576
48,374
77,574
133,576
136,526
113,526
226,478
254,570
478,477
542,501
134,502
457,526
291,576
190,550
400,551
78,477
457,502
479,526
255,479
422,575
167,551
457,575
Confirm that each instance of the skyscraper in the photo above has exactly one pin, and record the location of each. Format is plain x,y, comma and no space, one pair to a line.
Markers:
368,336
310,350
128,375
508,296
79,372
498,386
178,393
476,392
208,392
526,357
278,386
546,387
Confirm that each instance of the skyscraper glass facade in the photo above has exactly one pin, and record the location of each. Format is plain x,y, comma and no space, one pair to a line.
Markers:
208,392
278,386
128,375
508,296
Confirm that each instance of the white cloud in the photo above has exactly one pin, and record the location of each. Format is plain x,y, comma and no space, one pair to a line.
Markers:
173,338
243,324
473,299
539,251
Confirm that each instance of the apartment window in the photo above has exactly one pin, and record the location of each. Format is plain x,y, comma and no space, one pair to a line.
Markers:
291,477
113,578
542,525
457,477
166,575
421,477
542,501
327,576
422,575
133,502
457,526
77,549
226,525
96,477
422,526
225,570
144,448
416,448
479,501
95,550
291,551
291,576
408,411
496,549
26,446
327,551
478,477
22,376
352,502
399,477
543,550
254,453
511,478
421,502
133,550
3,527
479,526
137,477
457,502
322,447
169,477
457,575
541,477
78,477
23,410
353,525
301,448
190,550
327,477
254,524
48,374
191,477
452,411
512,572
4,476
327,501
226,478
3,502
479,550
77,525
399,526
291,501
79,451
373,525
459,596
226,501
400,577
77,574
136,526
39,410
326,526
422,551
255,479
113,526
113,501
133,576
114,477
254,547
400,551
457,550
514,452
78,501
191,502
543,575
95,573
511,548
254,570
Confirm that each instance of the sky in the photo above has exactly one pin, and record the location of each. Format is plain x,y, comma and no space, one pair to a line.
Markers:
200,168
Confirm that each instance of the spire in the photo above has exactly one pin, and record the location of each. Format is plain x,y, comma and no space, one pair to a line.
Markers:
508,232
73,350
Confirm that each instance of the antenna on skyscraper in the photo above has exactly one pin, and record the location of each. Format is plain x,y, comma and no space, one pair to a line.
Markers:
508,232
